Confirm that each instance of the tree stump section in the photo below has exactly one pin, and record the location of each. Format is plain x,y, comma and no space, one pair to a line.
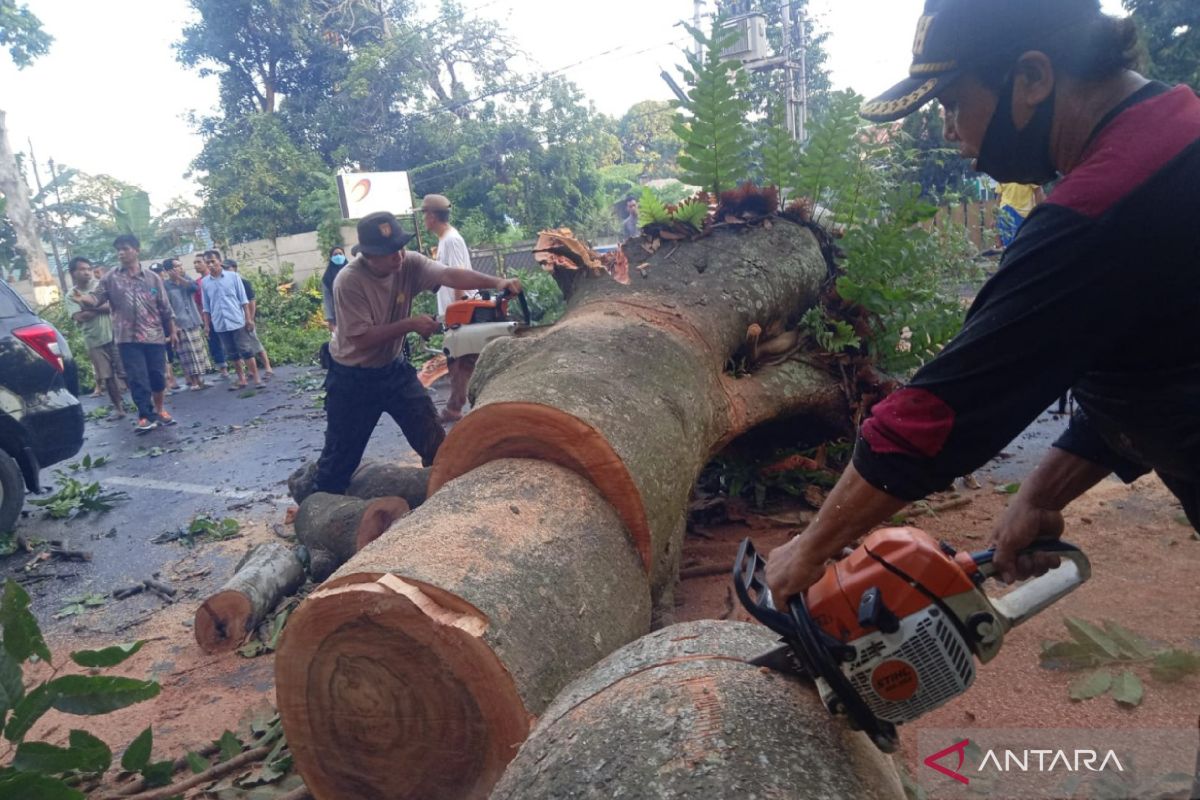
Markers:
334,527
417,669
371,480
680,715
269,573
631,389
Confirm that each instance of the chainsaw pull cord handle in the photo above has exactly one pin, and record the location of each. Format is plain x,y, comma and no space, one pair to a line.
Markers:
1034,596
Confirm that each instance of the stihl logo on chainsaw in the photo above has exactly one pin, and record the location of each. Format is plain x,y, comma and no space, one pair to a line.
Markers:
895,681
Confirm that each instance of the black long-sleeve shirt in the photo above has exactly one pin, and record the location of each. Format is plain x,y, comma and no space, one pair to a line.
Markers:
1099,293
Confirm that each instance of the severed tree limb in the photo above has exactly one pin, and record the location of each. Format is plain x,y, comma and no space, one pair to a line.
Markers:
210,774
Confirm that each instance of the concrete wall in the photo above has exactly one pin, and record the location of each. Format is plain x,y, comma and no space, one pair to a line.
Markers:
301,251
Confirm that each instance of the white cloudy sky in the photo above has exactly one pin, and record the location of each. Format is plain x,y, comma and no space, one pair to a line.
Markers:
110,97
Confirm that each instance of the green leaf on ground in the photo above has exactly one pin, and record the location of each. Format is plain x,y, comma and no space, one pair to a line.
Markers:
12,684
86,753
1011,488
22,636
137,755
1091,685
70,610
252,649
1127,689
230,746
93,694
108,657
28,711
1067,655
159,773
1175,665
32,786
1088,634
197,763
1130,644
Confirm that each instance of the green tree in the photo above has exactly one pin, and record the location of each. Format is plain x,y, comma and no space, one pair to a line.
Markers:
21,32
648,138
254,179
716,138
1171,35
778,154
923,155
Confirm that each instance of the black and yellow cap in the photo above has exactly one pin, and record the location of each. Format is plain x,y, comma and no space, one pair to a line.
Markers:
380,234
953,35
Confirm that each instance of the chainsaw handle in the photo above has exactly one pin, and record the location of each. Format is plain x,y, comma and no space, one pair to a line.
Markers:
1037,594
750,583
504,295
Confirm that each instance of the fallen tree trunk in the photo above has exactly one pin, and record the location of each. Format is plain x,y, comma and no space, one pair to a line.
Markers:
334,527
416,670
680,714
269,573
631,387
371,480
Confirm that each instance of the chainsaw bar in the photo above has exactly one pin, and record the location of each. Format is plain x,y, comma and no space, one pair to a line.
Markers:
783,659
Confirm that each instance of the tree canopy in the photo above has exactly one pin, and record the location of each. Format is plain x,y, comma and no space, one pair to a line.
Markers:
1171,35
21,33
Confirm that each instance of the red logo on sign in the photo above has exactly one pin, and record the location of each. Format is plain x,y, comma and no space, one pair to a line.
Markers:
951,773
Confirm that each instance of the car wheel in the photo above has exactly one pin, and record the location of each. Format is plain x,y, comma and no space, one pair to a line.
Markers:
12,492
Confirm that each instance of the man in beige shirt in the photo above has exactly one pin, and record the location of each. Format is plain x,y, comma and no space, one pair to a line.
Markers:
367,374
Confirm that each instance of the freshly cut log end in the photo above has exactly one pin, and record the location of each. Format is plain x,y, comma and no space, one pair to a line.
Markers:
544,433
680,714
269,573
415,671
401,697
334,527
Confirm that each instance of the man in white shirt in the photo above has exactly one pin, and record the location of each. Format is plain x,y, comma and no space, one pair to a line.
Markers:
451,252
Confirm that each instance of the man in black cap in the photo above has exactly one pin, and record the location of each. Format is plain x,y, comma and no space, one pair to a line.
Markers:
1099,292
367,376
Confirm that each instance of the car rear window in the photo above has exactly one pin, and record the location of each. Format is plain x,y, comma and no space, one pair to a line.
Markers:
11,304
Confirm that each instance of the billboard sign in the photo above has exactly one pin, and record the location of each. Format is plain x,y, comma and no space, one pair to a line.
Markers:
363,193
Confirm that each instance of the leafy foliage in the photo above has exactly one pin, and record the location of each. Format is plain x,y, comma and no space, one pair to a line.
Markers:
778,155
1171,35
75,498
41,769
289,316
1100,647
716,140
21,33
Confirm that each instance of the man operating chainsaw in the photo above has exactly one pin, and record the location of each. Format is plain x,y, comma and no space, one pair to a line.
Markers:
367,376
1099,292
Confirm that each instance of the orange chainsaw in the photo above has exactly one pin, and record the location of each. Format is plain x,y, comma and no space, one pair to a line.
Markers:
892,630
468,325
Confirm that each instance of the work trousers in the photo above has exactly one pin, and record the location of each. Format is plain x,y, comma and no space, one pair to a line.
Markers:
145,372
355,399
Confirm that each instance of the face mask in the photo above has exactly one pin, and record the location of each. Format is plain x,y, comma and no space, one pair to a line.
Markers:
1018,156
339,259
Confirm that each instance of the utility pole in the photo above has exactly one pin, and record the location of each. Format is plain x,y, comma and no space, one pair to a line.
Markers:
37,179
789,84
802,119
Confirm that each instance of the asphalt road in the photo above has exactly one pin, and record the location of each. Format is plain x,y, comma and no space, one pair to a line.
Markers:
229,456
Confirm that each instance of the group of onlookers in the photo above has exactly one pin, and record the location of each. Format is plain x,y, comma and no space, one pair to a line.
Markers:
140,324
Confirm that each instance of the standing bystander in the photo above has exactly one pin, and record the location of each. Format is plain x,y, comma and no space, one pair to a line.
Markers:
190,350
142,324
226,311
451,252
96,325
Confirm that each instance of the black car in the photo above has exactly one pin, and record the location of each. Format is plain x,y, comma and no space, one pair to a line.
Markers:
41,421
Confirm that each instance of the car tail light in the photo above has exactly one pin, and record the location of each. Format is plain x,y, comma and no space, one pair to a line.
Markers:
43,340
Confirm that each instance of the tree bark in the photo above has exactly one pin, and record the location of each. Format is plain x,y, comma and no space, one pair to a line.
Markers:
270,573
679,714
417,669
340,526
20,214
371,480
631,388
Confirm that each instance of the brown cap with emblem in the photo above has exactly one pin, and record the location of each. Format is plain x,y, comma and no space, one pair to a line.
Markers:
435,202
955,35
380,234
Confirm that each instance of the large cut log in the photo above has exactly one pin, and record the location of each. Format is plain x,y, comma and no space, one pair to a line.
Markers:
269,573
680,715
371,480
334,527
631,388
416,670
